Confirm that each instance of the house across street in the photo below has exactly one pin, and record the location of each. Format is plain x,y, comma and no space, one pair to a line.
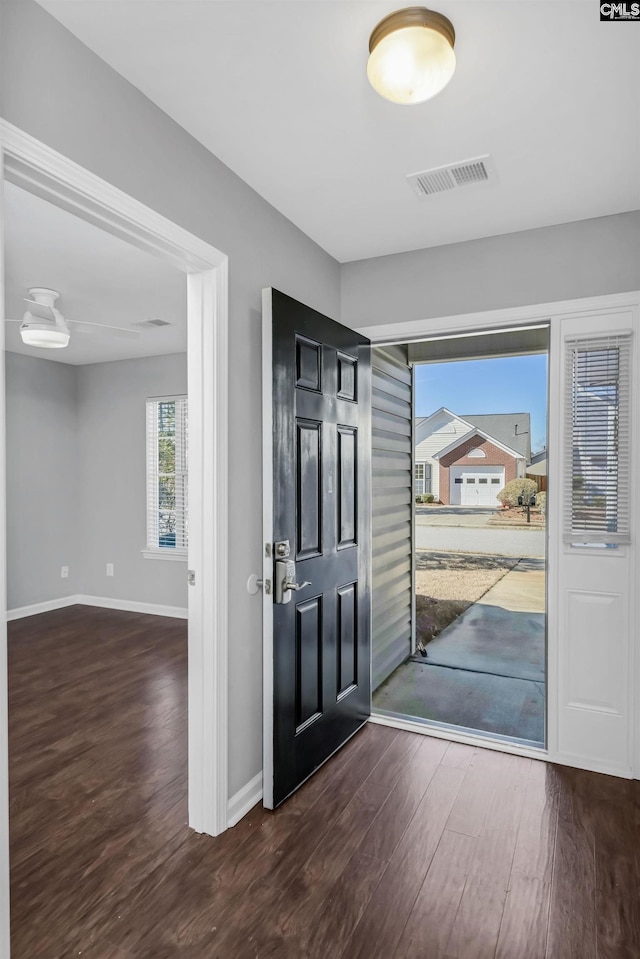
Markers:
467,460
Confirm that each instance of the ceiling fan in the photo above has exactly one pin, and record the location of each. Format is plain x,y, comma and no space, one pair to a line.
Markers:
43,325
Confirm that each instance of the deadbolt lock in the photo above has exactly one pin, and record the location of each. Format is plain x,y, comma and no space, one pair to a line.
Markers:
283,549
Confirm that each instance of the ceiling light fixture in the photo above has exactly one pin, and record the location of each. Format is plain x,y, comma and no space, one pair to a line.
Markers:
35,332
411,55
42,325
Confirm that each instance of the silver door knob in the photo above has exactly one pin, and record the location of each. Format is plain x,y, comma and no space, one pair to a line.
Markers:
297,585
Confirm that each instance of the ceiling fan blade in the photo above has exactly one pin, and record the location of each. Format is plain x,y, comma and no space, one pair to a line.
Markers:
40,310
101,329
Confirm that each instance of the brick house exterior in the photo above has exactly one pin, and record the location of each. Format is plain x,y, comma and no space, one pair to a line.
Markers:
494,456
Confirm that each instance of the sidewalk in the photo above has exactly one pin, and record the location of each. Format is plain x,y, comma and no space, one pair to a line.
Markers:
472,516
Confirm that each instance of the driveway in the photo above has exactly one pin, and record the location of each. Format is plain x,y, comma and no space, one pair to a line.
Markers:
470,539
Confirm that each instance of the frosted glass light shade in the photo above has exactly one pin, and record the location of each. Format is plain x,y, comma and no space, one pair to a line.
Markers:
44,335
411,55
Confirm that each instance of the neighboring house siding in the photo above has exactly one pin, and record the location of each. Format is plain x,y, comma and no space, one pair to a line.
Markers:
459,457
442,432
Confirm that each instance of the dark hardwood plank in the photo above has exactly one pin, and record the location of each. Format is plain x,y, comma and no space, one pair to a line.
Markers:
523,932
302,878
401,847
617,912
393,817
430,923
475,931
382,924
572,918
476,794
459,755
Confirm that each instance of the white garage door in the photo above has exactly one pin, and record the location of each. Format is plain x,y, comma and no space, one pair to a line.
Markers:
476,485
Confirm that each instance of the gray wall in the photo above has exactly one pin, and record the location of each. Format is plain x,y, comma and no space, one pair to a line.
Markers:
112,479
42,480
588,258
68,98
76,480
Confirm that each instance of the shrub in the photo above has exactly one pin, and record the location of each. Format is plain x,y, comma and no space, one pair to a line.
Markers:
541,502
517,487
429,498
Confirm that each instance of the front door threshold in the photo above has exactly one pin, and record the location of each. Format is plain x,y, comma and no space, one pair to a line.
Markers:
459,734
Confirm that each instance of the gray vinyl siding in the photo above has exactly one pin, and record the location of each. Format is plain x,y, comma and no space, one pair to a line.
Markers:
392,543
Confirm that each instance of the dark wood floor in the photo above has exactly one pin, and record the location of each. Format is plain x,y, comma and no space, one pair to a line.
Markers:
403,847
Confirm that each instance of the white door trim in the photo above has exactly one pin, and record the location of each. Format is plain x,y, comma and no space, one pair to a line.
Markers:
34,166
267,559
554,314
517,317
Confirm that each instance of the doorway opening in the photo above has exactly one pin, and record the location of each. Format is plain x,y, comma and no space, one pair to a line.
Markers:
41,171
459,533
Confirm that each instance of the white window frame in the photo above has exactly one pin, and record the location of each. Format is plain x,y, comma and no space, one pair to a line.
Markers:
607,434
425,479
153,550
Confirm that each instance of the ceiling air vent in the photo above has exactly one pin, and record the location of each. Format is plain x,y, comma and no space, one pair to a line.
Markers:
154,322
452,176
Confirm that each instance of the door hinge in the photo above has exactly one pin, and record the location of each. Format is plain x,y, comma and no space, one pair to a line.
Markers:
191,577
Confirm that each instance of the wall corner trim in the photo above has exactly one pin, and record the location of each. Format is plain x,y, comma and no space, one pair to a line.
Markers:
21,612
245,799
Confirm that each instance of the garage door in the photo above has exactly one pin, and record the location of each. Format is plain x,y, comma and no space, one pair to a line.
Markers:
476,485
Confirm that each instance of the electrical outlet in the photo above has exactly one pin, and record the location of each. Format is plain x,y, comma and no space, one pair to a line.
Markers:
64,572
109,569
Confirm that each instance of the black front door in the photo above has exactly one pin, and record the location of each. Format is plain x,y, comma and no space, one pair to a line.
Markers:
318,660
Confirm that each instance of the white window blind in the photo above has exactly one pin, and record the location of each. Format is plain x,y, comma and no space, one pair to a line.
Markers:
597,441
167,435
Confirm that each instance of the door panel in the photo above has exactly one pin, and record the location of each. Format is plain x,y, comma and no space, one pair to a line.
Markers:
317,643
592,598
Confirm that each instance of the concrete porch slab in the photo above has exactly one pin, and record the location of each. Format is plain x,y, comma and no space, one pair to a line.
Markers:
494,704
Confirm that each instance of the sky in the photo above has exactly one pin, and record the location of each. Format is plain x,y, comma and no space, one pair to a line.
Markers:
513,384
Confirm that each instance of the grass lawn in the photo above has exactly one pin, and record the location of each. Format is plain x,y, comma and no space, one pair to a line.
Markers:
448,583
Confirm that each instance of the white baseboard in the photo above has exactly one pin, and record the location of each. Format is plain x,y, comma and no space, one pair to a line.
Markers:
244,800
132,606
127,605
21,612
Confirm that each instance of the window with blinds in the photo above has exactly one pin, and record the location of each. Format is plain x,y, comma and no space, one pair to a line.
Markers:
597,464
167,436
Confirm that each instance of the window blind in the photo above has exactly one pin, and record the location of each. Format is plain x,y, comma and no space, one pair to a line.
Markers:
167,436
597,440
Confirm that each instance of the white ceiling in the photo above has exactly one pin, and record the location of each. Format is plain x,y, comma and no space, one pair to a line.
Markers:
277,89
100,278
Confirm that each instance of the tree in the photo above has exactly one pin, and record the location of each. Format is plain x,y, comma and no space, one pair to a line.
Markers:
517,487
